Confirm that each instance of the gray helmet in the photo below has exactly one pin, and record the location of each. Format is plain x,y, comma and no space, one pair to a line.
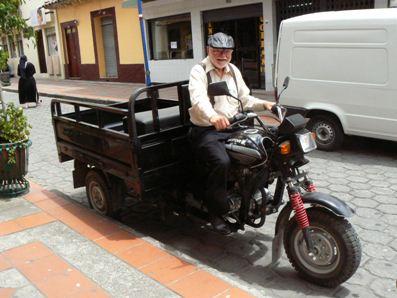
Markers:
220,41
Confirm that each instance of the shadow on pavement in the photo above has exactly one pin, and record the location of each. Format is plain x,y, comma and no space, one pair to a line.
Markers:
362,150
245,255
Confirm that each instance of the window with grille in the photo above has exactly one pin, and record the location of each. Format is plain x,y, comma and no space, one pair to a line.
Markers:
292,8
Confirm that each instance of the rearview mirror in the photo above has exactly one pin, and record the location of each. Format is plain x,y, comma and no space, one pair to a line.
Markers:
218,88
286,82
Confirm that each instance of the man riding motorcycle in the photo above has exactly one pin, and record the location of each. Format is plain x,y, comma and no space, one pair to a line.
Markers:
209,117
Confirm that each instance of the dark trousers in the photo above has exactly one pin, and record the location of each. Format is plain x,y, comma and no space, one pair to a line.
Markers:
212,166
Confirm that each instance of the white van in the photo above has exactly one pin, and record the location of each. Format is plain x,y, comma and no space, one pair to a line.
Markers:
343,70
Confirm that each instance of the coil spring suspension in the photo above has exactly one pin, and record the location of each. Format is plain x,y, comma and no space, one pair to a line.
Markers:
309,186
299,208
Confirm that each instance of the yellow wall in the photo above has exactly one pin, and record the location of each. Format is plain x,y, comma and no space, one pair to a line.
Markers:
99,47
128,30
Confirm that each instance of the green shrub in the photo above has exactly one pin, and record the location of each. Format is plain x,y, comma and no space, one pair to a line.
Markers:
14,127
3,60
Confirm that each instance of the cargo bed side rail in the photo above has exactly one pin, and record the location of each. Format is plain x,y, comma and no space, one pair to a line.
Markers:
56,109
152,94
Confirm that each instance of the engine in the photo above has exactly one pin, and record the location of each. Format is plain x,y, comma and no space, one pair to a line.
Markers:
246,147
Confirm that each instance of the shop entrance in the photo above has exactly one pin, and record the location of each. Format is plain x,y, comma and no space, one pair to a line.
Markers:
247,32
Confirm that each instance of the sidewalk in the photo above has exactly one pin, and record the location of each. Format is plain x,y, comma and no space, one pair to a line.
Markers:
96,91
75,89
53,247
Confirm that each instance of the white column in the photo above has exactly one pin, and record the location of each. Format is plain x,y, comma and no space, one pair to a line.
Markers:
380,3
197,36
45,46
161,40
59,38
268,22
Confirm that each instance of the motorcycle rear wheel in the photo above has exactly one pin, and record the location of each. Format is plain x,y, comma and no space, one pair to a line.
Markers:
337,249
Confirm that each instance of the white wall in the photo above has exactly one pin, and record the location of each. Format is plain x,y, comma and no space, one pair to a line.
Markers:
175,70
29,47
380,3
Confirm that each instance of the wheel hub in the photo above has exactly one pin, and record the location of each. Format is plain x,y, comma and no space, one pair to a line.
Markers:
324,133
97,196
325,256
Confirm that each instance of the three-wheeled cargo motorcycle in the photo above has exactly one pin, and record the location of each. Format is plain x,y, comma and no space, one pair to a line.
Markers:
140,149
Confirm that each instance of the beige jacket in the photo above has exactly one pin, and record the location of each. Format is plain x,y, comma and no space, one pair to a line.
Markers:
202,109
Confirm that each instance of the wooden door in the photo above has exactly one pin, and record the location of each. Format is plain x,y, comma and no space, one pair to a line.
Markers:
73,51
40,51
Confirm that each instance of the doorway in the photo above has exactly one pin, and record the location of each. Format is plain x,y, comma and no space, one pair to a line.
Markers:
72,49
104,33
40,51
109,47
245,24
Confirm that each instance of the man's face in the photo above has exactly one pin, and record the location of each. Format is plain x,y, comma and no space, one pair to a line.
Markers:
220,57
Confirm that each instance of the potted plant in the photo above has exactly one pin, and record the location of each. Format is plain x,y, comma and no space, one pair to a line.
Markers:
14,150
4,70
14,128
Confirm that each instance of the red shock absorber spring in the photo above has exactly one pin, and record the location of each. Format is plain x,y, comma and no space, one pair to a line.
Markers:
309,186
299,208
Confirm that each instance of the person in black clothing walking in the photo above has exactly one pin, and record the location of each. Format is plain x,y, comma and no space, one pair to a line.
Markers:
27,89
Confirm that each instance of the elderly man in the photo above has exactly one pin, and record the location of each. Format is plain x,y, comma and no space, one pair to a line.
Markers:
209,117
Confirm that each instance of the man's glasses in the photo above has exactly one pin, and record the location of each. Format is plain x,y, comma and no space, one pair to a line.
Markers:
222,51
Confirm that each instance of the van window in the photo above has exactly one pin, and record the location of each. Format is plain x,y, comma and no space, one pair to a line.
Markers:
340,64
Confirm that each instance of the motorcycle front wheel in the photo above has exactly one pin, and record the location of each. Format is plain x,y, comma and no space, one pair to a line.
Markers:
337,249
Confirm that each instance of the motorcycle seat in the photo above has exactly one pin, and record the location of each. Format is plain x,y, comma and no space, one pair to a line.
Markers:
168,117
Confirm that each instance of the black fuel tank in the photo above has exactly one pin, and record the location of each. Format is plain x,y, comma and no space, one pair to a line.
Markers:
246,147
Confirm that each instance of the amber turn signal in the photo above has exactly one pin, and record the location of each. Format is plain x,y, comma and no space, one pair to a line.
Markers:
285,147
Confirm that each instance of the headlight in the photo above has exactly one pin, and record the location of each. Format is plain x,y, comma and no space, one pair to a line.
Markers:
306,142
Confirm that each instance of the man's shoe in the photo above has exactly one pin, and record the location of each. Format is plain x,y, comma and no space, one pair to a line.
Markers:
220,225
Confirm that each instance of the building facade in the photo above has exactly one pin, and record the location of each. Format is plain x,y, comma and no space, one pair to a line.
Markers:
177,32
43,49
100,39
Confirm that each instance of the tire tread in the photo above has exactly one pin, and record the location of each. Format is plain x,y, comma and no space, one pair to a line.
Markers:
348,234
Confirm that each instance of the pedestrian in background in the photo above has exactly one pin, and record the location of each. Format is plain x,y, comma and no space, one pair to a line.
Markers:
27,89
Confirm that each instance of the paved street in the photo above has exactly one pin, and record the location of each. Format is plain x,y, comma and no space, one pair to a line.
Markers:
364,173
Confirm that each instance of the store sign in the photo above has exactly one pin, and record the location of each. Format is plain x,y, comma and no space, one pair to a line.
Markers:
38,17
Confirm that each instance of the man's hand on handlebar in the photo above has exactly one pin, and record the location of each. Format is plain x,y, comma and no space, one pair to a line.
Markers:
268,105
220,122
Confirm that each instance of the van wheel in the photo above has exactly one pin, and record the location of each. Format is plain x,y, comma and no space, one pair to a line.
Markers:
98,193
329,132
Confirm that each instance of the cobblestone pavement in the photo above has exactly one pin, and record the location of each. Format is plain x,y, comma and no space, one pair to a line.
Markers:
363,173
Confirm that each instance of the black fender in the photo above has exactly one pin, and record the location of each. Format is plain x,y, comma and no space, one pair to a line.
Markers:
332,204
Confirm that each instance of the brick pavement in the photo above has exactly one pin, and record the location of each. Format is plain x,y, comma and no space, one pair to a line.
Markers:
32,265
364,173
